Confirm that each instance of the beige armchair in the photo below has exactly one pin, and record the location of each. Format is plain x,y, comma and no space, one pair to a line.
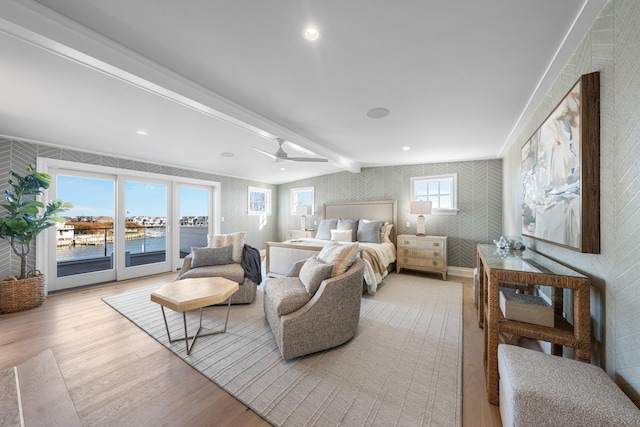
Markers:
304,324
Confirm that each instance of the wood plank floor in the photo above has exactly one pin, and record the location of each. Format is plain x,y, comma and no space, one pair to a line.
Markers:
118,375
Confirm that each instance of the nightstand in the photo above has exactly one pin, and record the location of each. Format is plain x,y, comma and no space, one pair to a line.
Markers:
424,253
300,234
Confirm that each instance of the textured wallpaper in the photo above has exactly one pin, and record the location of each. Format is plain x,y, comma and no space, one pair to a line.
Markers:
479,197
611,47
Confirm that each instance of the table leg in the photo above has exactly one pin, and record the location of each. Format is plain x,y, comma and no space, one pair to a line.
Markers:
491,341
186,338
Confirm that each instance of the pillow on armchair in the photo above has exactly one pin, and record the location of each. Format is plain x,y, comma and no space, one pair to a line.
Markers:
234,239
202,257
312,273
340,255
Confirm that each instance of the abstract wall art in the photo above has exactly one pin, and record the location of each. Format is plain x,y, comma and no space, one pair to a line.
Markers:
561,172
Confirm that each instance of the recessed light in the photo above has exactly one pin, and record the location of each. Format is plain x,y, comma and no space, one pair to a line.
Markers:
311,33
377,113
406,148
142,132
283,169
226,154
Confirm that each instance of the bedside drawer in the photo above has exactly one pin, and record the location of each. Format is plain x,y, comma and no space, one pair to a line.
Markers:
421,262
416,252
422,243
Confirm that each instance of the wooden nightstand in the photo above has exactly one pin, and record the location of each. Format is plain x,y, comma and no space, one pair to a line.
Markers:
424,253
300,234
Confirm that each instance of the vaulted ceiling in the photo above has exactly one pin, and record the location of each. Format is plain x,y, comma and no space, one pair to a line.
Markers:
208,80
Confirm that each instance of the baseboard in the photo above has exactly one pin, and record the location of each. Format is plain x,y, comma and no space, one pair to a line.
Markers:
460,271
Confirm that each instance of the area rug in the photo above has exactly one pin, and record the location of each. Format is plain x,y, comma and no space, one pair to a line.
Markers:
403,368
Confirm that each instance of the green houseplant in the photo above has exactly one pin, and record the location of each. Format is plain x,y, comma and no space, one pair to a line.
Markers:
24,218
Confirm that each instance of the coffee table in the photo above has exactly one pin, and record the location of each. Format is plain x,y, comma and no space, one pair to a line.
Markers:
190,294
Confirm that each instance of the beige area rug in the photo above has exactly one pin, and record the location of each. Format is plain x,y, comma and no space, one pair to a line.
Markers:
403,368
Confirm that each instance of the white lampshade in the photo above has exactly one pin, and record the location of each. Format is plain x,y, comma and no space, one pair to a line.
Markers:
303,210
420,208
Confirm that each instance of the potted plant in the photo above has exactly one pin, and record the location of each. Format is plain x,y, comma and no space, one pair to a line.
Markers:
24,219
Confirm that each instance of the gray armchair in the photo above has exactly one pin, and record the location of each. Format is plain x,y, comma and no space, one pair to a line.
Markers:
303,324
246,273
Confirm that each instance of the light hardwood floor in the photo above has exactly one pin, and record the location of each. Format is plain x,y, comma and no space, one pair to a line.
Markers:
116,374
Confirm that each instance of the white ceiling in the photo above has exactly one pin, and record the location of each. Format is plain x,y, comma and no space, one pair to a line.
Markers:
205,77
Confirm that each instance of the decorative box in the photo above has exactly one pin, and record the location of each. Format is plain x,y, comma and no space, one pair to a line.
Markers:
526,308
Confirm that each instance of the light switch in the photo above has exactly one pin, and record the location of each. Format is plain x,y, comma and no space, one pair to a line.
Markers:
408,224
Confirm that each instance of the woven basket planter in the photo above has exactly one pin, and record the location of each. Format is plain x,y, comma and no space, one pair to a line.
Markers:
21,294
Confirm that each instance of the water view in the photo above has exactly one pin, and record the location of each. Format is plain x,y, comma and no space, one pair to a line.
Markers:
133,246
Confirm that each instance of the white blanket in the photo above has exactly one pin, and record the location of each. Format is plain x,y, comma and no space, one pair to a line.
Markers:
376,257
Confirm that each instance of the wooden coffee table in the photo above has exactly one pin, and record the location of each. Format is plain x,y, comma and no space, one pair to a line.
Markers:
190,294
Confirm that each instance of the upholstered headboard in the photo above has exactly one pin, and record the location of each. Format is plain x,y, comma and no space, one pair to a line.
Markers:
384,209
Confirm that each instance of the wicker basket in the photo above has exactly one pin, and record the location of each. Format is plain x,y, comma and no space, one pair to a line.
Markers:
24,294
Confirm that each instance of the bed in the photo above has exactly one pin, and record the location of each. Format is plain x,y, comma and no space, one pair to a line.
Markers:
379,258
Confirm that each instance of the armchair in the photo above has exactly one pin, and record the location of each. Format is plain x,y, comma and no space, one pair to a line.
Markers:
304,323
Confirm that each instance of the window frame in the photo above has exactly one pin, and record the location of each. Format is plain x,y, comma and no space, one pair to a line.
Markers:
267,200
436,210
294,198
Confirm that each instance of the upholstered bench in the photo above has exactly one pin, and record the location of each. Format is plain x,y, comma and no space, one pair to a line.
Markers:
540,389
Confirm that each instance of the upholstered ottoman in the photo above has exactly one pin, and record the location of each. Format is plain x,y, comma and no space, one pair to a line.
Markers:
539,389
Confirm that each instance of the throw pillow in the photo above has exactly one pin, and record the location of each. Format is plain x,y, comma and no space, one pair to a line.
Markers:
386,233
340,255
325,227
312,273
369,231
348,224
235,239
341,235
202,257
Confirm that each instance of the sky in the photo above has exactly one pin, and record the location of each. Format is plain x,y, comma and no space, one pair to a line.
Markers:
96,197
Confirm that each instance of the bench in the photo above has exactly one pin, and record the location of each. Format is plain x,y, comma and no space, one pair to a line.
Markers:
540,389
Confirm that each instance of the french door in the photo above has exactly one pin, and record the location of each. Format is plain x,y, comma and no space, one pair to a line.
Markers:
122,225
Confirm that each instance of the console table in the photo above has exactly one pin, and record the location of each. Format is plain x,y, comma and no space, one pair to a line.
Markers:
527,270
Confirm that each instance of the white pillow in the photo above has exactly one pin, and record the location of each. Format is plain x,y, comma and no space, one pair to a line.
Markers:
342,235
234,239
341,255
386,233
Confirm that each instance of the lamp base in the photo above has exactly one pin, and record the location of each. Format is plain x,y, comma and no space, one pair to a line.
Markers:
303,222
420,228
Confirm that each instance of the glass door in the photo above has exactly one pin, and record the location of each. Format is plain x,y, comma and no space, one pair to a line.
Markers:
144,231
84,243
122,223
194,217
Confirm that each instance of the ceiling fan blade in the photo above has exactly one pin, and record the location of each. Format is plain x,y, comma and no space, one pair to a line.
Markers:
265,153
307,159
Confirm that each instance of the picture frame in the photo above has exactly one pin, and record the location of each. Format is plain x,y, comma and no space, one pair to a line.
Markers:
561,172
259,201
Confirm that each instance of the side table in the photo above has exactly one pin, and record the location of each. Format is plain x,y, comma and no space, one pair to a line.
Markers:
190,294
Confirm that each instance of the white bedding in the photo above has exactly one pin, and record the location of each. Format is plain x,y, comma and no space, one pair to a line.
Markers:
376,257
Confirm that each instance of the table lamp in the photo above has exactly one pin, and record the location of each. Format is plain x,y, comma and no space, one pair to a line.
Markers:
303,211
420,208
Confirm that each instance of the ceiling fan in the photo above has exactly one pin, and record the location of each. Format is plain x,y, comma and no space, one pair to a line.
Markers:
281,155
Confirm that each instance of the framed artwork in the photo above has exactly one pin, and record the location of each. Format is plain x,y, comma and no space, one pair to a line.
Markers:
259,201
561,172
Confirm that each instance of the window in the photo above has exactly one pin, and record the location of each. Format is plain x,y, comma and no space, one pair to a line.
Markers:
259,201
440,190
302,197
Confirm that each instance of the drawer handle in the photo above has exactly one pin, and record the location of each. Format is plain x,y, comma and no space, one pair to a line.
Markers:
436,244
435,263
405,260
405,251
406,242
